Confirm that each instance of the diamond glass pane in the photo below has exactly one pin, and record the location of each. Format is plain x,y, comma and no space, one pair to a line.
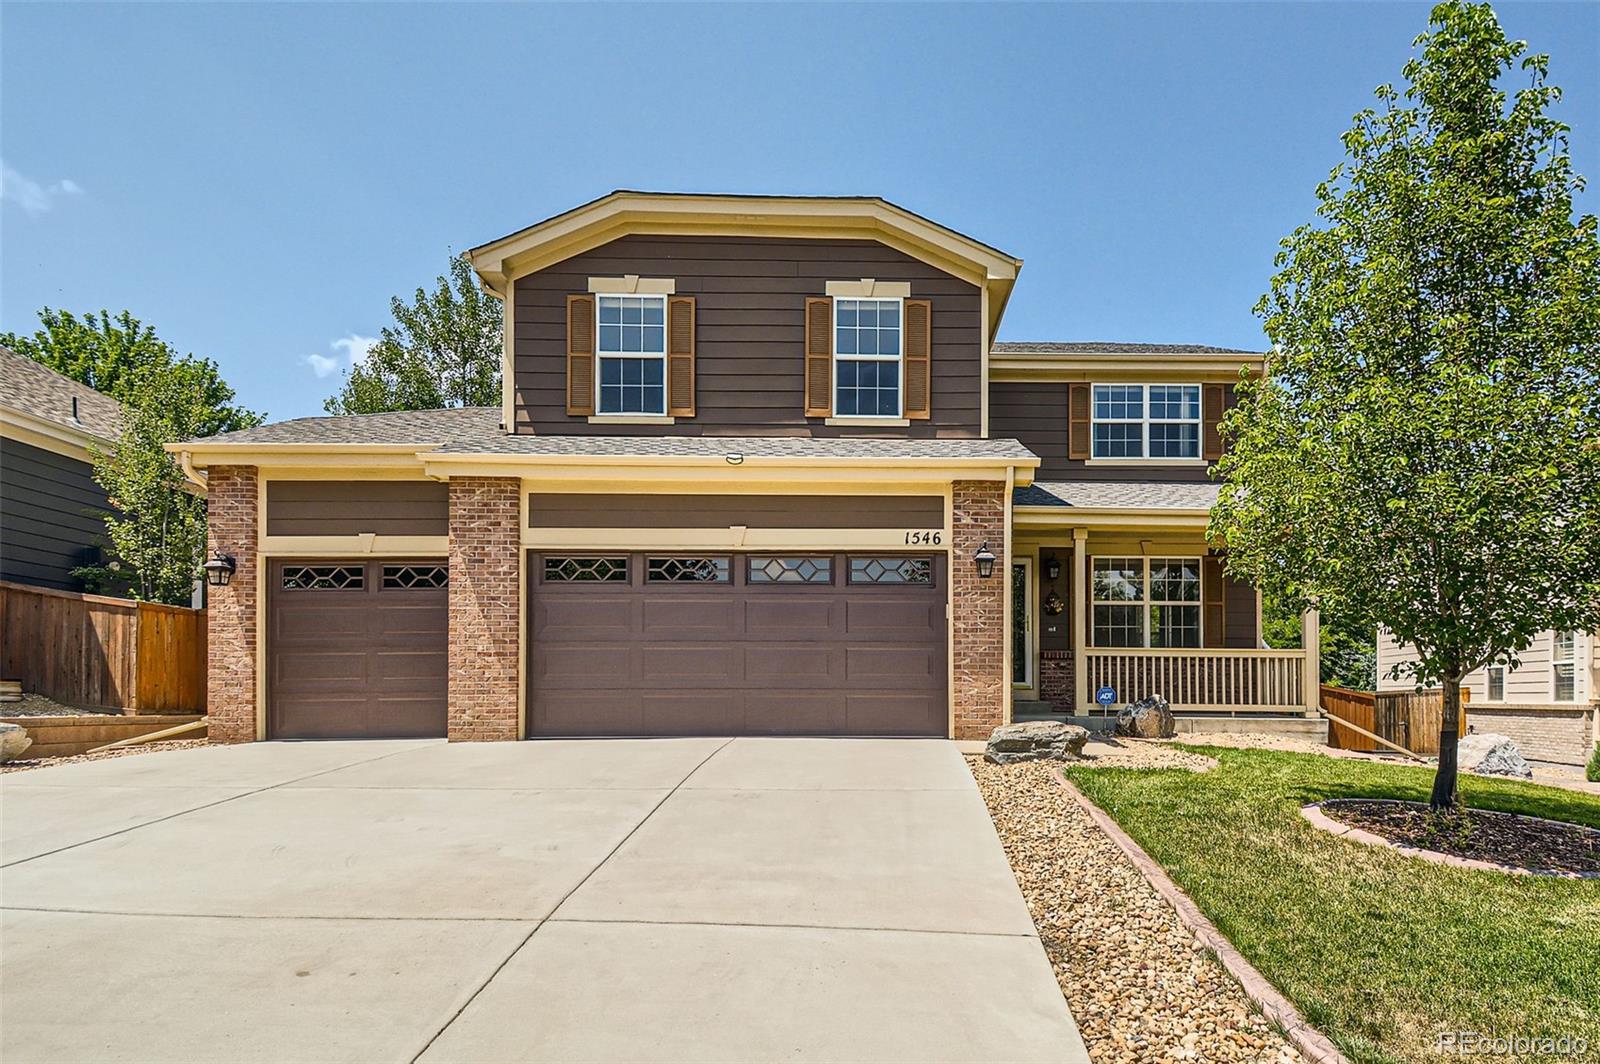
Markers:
891,571
324,578
586,570
402,577
791,570
687,571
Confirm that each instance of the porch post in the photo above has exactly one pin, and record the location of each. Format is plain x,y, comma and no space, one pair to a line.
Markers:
1080,625
1311,643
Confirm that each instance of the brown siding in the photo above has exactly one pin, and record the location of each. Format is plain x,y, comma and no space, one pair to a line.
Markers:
349,507
722,511
749,340
1240,632
1035,413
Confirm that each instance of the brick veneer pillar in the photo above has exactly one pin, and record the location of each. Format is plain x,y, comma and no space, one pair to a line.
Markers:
231,521
485,590
978,607
1055,679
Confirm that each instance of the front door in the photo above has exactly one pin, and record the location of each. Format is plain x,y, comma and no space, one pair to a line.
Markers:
1022,623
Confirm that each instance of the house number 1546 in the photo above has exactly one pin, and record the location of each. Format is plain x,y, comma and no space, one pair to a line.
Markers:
924,539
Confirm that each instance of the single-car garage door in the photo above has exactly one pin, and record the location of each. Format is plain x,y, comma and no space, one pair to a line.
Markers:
737,644
356,649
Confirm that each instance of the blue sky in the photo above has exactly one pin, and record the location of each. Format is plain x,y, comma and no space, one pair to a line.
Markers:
257,180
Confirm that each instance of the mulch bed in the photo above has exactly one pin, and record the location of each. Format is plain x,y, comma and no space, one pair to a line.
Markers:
1530,843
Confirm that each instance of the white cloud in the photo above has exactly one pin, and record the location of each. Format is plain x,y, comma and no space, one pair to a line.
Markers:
352,351
33,196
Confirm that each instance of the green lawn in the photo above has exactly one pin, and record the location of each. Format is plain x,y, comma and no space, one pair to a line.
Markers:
1380,951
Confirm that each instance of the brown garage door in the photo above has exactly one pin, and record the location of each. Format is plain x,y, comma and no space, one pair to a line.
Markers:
356,649
737,644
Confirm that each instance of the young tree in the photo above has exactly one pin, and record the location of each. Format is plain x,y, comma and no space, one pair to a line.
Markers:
1424,452
443,350
157,529
115,355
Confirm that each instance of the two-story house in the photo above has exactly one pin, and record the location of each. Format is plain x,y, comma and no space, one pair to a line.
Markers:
759,469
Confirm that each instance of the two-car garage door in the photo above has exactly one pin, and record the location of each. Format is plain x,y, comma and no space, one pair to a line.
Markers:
644,643
624,643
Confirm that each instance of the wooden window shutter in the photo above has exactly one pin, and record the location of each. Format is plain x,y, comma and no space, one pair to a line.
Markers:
1215,401
1079,399
580,355
680,356
919,359
1215,597
819,357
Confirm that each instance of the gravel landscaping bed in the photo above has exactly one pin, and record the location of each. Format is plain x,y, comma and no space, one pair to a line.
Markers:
127,751
1108,752
1533,843
1139,984
40,706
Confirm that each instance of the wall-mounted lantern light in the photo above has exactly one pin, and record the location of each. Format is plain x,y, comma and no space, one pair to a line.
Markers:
219,569
985,561
1052,568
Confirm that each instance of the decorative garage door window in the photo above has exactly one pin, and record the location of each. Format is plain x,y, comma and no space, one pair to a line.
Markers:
323,578
586,570
403,577
687,571
791,570
891,570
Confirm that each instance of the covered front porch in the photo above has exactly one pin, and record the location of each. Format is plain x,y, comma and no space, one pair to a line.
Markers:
1116,602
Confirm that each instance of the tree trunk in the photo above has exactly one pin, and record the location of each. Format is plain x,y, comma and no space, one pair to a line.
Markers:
1444,795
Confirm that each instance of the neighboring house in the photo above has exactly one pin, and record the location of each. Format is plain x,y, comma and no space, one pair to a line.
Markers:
759,469
51,510
1549,704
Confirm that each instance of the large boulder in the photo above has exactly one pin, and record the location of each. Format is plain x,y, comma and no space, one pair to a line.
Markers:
1148,718
1489,754
1035,740
14,742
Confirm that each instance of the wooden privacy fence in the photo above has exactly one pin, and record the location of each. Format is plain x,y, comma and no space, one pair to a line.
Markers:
1405,718
90,650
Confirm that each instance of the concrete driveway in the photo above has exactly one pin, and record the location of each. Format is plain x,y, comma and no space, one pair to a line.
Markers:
669,899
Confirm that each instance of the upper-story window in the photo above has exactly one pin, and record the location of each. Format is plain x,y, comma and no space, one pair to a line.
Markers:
866,357
1564,667
632,350
1155,421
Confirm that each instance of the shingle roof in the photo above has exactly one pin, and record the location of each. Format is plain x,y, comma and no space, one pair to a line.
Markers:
1091,347
1120,495
749,446
32,388
476,430
400,428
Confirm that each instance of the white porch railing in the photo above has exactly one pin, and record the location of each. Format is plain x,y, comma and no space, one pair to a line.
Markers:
1225,680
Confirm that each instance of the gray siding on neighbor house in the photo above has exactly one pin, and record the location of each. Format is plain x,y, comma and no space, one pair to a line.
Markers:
911,512
750,298
351,507
50,514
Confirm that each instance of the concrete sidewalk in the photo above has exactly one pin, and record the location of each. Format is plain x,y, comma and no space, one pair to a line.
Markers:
672,899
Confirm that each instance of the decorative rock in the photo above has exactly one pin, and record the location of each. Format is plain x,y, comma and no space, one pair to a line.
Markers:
1036,740
1148,718
1488,754
14,742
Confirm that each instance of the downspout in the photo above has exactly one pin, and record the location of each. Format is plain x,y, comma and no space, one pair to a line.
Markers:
195,477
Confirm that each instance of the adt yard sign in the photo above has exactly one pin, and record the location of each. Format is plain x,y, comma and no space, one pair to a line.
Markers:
1106,695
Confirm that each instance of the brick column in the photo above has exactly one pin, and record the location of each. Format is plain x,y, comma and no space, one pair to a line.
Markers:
978,607
485,590
231,520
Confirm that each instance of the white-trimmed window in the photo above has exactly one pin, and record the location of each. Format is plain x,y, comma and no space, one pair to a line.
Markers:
632,349
1150,421
1142,602
1495,683
1564,668
866,357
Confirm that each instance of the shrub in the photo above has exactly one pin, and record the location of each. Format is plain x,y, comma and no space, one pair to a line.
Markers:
1594,765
